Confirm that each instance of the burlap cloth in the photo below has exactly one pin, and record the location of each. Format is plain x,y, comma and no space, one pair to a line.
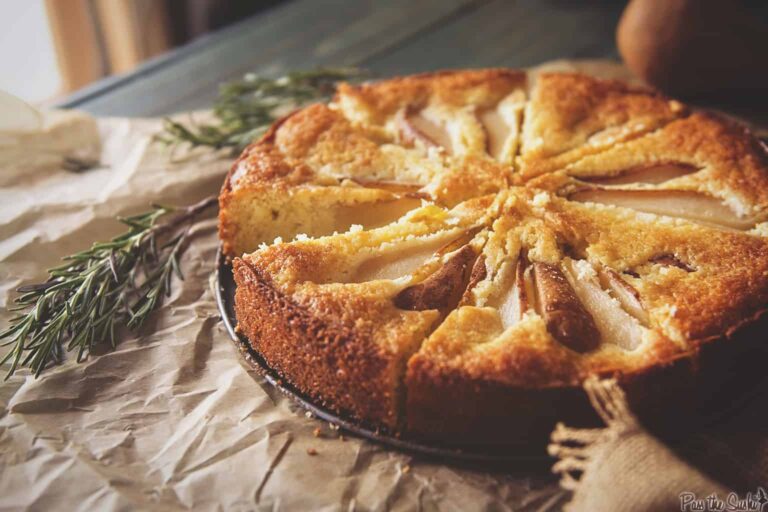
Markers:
172,420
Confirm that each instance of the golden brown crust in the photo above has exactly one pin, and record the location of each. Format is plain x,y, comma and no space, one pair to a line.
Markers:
329,360
481,87
460,407
433,344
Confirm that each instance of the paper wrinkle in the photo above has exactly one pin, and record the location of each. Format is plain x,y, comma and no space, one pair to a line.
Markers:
173,419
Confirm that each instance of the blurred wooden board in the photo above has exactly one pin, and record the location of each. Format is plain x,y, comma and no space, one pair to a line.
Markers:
512,34
394,37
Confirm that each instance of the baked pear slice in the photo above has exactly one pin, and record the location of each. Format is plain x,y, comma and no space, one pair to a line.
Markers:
571,115
703,168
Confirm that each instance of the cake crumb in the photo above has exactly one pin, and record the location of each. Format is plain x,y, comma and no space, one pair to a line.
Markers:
406,469
675,106
316,432
541,199
311,451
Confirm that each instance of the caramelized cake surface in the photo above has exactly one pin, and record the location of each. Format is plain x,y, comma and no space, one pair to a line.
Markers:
451,254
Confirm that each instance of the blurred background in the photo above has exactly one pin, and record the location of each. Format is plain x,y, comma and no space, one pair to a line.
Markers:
49,48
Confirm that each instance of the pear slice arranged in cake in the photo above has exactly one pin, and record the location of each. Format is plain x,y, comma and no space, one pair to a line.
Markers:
570,116
714,169
692,206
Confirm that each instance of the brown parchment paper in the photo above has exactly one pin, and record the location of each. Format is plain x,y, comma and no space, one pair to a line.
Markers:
171,419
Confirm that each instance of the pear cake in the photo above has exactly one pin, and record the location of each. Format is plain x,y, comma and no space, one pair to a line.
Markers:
450,255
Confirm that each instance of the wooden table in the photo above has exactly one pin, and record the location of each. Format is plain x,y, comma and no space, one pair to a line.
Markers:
390,38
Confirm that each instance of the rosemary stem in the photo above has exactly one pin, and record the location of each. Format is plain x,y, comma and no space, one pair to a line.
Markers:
187,213
117,282
121,281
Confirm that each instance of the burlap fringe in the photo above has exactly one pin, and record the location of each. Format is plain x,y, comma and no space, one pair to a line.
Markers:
573,447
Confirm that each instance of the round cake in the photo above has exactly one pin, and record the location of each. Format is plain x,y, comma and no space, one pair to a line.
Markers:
450,255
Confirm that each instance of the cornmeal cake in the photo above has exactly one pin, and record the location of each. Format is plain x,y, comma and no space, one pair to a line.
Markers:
450,255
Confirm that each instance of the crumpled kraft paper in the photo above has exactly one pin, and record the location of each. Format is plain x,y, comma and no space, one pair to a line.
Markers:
171,419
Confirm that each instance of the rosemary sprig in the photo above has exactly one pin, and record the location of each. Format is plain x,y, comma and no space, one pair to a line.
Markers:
112,284
120,282
245,109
